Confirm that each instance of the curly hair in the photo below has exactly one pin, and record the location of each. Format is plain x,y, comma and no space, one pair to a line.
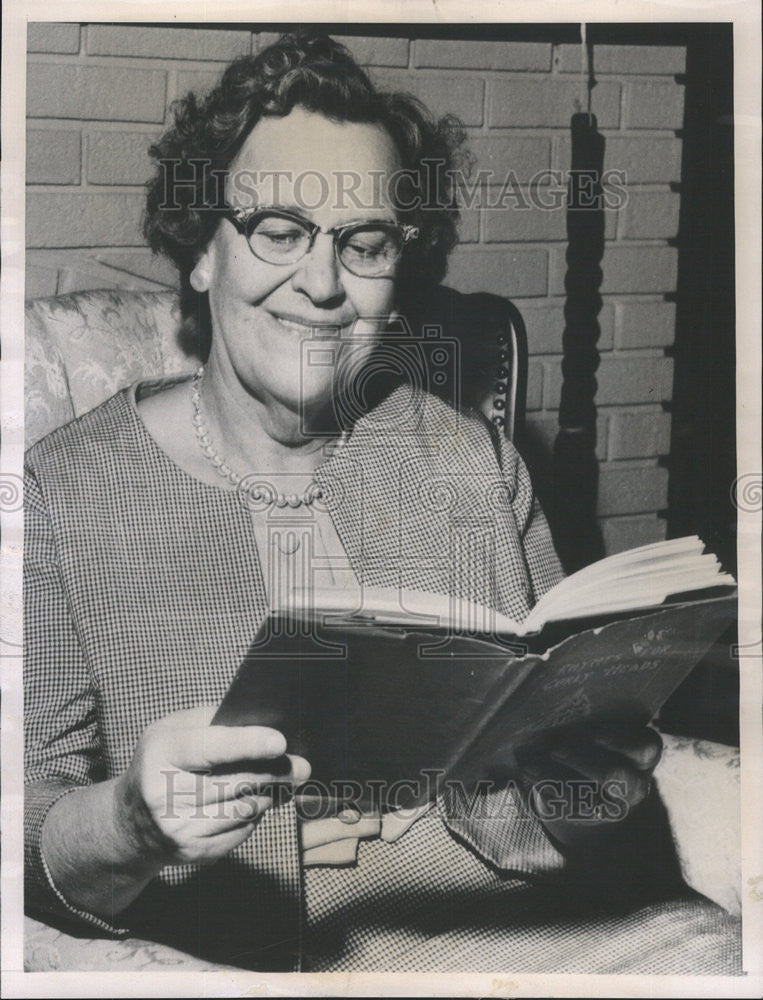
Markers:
315,72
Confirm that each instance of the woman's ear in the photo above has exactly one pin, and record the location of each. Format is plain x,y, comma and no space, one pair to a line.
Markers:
200,276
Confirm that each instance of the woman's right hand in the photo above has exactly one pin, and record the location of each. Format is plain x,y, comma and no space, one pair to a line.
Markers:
103,843
174,803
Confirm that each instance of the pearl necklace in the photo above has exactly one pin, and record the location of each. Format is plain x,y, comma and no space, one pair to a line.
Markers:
259,492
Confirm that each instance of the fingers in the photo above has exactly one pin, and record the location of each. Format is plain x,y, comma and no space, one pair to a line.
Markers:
300,769
587,779
638,746
320,831
220,817
218,787
189,741
607,762
211,789
193,791
605,768
203,748
642,747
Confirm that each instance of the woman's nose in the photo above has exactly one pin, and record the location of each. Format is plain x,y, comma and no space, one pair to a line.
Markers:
318,273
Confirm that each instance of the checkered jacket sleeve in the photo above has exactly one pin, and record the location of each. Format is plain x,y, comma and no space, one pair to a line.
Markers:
62,745
543,564
79,731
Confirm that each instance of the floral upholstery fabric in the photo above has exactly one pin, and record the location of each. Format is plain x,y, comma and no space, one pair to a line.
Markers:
84,347
47,949
699,785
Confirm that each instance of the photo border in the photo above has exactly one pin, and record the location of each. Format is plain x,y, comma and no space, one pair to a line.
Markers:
746,18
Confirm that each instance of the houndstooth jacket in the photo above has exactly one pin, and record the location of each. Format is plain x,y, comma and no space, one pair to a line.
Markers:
143,591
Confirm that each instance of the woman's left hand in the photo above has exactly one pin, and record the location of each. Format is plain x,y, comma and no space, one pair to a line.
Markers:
587,780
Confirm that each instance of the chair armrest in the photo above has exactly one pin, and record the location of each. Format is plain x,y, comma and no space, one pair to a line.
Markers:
47,949
698,782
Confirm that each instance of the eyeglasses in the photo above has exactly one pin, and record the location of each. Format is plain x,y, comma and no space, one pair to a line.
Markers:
367,249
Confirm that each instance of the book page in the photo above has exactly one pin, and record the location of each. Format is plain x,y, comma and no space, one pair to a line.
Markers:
634,579
413,607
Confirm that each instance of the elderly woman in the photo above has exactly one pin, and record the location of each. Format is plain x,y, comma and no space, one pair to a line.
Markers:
301,206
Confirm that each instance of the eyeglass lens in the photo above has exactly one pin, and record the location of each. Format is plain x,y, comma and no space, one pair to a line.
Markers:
366,249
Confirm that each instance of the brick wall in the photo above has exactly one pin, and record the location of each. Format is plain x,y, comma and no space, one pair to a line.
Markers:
98,94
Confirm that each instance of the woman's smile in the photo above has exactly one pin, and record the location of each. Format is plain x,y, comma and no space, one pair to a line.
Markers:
263,312
305,325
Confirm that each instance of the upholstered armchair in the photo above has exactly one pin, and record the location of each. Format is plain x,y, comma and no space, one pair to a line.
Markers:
82,348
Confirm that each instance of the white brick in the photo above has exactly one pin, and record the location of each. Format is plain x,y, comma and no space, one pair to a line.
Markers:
639,269
77,269
642,159
83,220
620,380
371,51
367,50
262,39
197,81
645,324
649,216
119,157
521,157
166,43
466,54
39,281
544,428
52,36
460,94
533,223
620,59
645,159
469,226
103,93
85,274
521,225
510,272
627,269
140,264
638,434
653,105
622,533
634,380
53,156
535,374
521,102
545,325
631,489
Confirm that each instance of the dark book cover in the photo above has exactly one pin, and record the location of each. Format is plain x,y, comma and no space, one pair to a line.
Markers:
384,713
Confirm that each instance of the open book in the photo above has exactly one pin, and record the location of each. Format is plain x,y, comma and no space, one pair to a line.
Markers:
390,693
638,578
